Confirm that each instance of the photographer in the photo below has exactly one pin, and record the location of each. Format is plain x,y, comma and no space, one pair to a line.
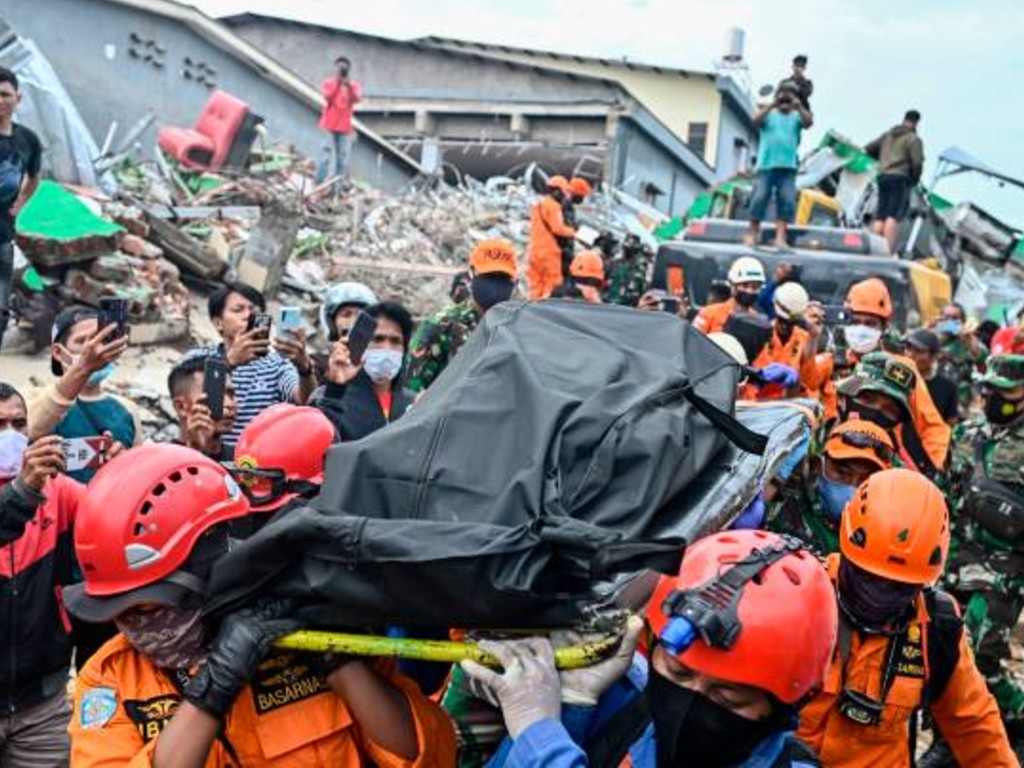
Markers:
341,94
781,124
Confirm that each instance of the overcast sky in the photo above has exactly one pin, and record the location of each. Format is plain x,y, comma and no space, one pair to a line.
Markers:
957,61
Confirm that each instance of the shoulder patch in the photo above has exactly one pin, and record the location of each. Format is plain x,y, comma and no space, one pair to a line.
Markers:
98,707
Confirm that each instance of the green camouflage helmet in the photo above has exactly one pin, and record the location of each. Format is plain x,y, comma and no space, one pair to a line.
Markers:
1004,371
882,373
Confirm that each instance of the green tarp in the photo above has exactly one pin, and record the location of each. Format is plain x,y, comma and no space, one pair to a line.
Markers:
57,214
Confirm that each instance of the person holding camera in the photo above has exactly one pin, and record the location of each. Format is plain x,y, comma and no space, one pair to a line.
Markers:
781,124
341,94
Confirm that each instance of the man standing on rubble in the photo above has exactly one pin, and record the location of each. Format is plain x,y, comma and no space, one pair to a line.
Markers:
440,337
20,157
900,156
341,94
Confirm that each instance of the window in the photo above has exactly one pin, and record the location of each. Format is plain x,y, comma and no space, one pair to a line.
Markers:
697,137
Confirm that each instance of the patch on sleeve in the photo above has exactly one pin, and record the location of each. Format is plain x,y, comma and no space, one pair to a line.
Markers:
98,707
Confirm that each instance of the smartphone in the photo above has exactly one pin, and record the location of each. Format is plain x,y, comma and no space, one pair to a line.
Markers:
259,320
670,304
114,311
288,319
359,337
836,314
85,452
215,374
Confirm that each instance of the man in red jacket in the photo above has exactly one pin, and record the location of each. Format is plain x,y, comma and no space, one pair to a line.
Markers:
341,94
38,505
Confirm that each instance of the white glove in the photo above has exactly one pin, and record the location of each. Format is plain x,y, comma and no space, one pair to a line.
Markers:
528,689
584,687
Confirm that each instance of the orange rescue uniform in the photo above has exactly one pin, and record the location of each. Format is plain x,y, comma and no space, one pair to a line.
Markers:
713,317
966,712
544,266
933,430
826,392
792,353
287,717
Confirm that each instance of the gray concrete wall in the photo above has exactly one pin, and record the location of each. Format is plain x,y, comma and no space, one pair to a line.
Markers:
732,128
400,70
88,43
640,160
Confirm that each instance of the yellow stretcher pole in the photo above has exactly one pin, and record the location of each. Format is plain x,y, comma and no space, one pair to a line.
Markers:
571,657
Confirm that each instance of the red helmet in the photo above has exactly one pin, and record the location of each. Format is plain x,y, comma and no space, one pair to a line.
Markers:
143,513
268,460
773,648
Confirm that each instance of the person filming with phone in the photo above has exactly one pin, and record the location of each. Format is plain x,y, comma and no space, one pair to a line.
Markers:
266,368
204,403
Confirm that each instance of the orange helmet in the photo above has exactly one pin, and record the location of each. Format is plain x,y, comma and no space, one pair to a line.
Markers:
140,520
870,297
559,182
897,527
267,465
858,439
588,265
752,632
580,188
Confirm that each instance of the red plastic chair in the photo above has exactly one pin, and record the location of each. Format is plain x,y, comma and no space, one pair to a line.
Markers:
207,145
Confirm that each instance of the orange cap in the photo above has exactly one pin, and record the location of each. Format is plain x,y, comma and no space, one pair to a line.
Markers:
587,265
870,297
858,439
897,527
580,188
559,182
494,257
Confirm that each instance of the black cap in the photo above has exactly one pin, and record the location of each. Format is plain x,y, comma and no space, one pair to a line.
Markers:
800,60
924,340
66,320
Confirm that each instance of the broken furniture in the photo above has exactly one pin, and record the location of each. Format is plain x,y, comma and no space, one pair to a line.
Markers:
222,138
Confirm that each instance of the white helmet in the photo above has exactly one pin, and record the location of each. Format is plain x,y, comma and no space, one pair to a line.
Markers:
339,295
746,269
791,301
730,345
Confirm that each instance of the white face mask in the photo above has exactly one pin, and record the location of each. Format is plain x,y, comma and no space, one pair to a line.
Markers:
862,338
382,364
12,453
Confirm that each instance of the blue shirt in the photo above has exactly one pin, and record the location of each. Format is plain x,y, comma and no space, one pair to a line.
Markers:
780,140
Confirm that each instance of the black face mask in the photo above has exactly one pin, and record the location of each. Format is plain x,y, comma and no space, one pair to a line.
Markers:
693,731
745,298
872,602
488,290
999,410
873,415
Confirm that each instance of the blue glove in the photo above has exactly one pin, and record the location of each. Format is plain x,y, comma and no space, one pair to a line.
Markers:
753,516
779,373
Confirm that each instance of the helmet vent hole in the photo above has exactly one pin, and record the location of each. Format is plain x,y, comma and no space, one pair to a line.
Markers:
859,538
146,508
792,575
139,529
758,578
936,558
175,477
159,489
193,471
897,560
903,535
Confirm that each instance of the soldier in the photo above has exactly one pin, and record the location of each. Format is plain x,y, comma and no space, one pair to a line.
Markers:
961,351
440,337
987,568
627,274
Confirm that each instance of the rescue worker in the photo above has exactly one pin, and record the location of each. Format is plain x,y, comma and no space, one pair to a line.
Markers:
882,390
986,570
171,689
342,303
587,272
548,231
791,346
871,311
627,273
902,645
580,190
746,276
716,687
811,509
961,353
440,337
271,473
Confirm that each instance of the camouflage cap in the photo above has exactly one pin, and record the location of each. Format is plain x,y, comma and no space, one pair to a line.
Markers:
1004,371
882,373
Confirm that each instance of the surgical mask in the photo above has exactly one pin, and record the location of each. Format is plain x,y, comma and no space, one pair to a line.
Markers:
862,338
12,453
170,637
834,497
96,377
745,299
691,729
1000,410
382,365
949,327
872,602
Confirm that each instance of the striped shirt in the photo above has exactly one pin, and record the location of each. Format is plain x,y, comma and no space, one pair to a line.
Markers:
259,384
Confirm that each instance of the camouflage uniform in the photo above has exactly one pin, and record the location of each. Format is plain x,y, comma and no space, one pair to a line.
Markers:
438,339
986,570
956,363
799,512
627,274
